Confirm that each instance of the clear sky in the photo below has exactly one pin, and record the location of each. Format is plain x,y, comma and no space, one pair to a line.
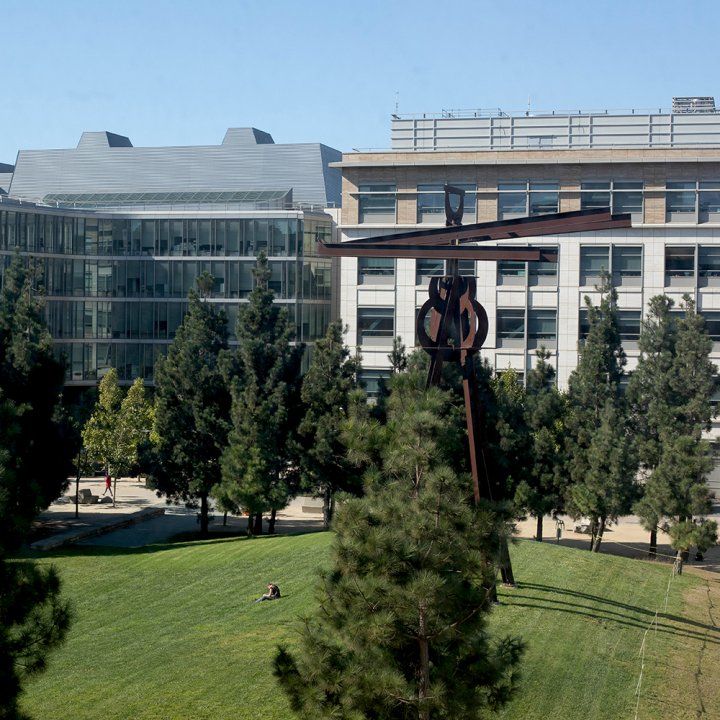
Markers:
179,72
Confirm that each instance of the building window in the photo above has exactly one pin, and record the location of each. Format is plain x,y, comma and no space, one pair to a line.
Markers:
542,327
376,325
709,264
680,201
512,200
520,199
427,268
466,268
712,325
594,261
709,201
541,272
583,325
594,195
431,203
377,203
510,327
511,272
543,198
679,265
627,265
627,197
371,381
379,271
629,325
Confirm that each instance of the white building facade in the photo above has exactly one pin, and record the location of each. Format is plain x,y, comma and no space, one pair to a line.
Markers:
662,168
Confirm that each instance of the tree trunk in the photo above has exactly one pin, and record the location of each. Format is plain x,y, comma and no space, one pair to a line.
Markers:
679,562
506,571
424,689
257,525
114,489
653,543
77,494
203,515
271,522
599,536
327,507
225,518
539,529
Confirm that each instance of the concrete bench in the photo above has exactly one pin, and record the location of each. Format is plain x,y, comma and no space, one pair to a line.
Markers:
312,509
85,497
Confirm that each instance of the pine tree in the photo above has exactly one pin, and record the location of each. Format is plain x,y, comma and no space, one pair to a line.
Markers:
401,631
259,463
542,489
35,460
596,423
326,392
669,396
398,356
192,406
608,489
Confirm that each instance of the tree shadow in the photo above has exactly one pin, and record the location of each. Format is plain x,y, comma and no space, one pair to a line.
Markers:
542,604
182,540
613,603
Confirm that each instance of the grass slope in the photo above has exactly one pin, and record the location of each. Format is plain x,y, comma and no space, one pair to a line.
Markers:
170,631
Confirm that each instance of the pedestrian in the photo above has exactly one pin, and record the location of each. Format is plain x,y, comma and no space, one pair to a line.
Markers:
108,485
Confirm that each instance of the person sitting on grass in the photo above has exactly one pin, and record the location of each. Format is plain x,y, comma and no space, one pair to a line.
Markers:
273,593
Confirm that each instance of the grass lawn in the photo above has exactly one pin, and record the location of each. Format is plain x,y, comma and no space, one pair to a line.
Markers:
170,631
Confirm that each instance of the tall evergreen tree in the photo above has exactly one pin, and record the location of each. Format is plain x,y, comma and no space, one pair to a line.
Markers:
601,488
669,396
398,356
35,460
326,391
401,631
259,464
192,407
542,489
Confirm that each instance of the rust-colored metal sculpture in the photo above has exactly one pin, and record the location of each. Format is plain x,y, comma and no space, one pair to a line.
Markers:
452,325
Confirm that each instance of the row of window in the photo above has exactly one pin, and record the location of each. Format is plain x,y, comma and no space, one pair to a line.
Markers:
175,278
33,232
622,262
516,327
694,201
158,320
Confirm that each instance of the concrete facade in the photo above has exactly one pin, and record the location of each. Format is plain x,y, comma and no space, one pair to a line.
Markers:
670,191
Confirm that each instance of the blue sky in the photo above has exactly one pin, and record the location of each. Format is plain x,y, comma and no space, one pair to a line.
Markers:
179,73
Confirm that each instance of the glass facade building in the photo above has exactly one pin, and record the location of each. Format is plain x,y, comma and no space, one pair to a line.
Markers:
121,233
116,284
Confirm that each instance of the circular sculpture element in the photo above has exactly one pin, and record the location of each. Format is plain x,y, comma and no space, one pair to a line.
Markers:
452,323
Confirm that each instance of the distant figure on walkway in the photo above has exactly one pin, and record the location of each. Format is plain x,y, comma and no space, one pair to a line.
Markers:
273,593
108,485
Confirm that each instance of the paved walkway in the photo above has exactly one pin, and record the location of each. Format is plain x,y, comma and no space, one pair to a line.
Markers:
627,538
59,524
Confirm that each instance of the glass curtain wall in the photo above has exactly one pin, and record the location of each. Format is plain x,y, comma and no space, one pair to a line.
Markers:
123,280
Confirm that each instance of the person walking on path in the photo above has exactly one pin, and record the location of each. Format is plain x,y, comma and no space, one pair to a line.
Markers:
108,485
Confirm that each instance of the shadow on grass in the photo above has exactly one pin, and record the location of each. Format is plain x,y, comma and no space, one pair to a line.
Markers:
639,625
705,633
182,540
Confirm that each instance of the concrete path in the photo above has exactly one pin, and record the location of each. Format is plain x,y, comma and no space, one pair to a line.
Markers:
105,525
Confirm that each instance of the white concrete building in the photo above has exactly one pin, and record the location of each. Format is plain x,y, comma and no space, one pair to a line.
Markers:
662,167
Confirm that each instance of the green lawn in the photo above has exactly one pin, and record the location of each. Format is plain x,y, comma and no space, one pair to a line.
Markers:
170,631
